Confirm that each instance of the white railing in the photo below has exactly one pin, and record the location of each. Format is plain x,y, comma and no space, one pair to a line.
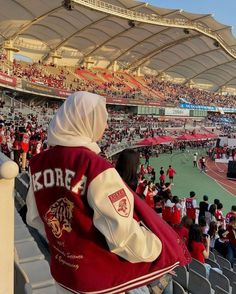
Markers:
157,20
8,172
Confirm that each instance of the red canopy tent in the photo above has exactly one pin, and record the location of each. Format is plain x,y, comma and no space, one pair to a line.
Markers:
159,140
200,136
186,137
147,142
211,136
167,138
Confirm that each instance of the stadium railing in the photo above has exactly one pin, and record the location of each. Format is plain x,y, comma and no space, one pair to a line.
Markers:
8,172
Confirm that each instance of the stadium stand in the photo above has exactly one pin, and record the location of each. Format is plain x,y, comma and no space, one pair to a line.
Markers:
198,267
223,262
195,280
217,279
219,290
178,289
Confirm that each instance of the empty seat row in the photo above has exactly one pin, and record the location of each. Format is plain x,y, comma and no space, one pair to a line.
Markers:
31,270
195,282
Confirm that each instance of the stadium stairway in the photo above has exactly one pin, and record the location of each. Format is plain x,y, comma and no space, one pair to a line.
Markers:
87,75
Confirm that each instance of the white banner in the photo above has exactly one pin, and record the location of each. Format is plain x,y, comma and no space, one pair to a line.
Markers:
177,111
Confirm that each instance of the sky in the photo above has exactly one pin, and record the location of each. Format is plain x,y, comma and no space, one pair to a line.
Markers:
223,11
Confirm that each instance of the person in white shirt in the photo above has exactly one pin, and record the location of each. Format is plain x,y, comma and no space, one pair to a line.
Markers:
195,160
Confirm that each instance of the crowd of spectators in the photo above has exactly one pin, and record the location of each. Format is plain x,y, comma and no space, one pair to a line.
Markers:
206,221
172,93
34,73
129,129
203,227
115,84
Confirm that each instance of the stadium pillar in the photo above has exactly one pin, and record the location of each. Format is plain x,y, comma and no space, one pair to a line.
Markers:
55,56
8,172
138,73
89,62
222,90
10,49
115,65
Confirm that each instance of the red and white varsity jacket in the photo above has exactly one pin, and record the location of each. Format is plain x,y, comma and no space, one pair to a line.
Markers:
102,236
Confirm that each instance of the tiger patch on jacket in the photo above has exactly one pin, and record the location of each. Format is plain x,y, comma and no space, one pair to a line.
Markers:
59,216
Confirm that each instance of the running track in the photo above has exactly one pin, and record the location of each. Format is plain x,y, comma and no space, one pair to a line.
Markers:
218,172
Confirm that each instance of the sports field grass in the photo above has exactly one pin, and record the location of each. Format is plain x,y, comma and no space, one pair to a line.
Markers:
189,178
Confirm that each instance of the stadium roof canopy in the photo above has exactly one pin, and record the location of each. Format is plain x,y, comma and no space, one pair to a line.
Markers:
134,35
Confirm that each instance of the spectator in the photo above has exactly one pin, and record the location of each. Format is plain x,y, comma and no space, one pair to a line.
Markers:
229,214
219,215
171,172
88,213
17,148
203,225
196,246
230,234
191,206
162,177
213,233
203,164
183,228
210,215
176,211
127,166
203,207
195,160
221,244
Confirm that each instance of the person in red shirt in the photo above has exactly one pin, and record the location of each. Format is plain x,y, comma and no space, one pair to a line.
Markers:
230,234
162,177
143,171
25,148
170,172
149,169
199,247
142,183
149,193
196,246
183,228
175,216
219,215
191,206
17,148
229,214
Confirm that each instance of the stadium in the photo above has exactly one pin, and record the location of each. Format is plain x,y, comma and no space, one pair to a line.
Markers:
168,78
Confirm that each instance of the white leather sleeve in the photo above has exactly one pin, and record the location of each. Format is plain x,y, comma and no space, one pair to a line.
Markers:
32,217
124,235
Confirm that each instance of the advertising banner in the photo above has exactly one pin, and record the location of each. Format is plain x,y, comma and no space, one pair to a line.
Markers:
176,111
111,100
207,108
38,88
62,93
7,80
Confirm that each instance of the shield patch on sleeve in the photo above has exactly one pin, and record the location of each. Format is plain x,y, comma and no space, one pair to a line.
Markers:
120,202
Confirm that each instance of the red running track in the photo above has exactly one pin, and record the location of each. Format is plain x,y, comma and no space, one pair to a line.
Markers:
218,172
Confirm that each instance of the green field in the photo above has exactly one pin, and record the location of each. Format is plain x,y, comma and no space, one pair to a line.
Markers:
189,178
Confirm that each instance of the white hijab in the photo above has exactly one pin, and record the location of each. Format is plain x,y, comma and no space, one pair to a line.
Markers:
80,121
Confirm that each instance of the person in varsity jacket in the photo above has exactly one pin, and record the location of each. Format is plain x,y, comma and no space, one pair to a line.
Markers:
102,237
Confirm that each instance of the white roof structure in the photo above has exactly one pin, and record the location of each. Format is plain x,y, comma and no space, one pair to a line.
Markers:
134,35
